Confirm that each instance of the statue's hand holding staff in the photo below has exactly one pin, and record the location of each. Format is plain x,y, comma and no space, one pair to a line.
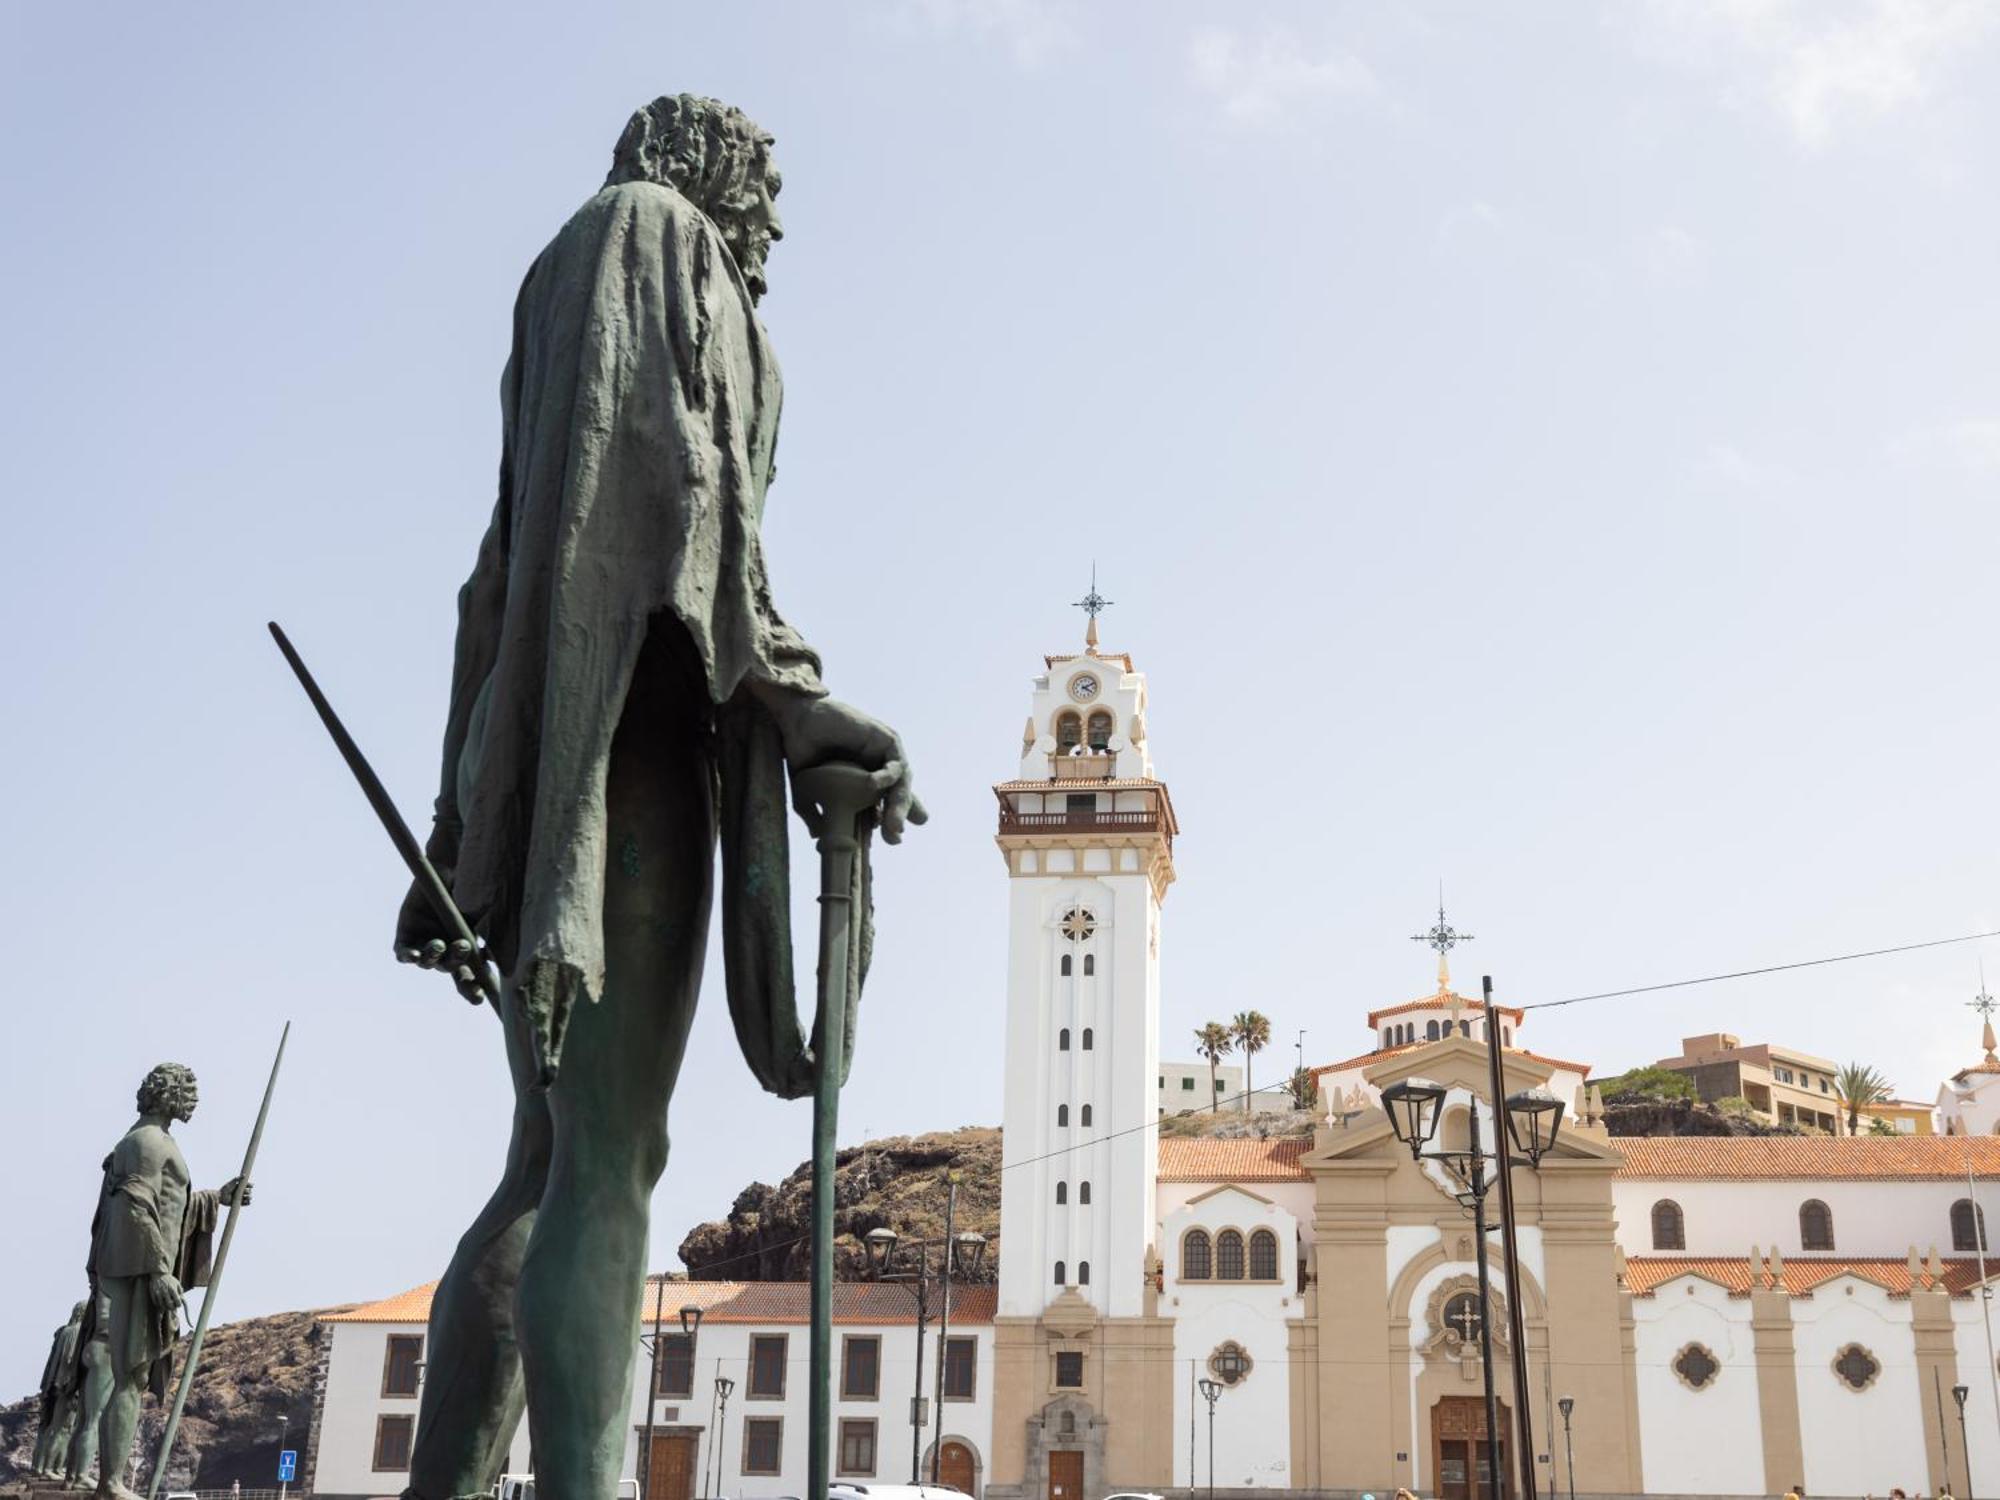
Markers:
164,1292
819,730
421,940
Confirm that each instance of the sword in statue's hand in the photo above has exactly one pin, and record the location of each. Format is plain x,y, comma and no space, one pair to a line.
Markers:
472,972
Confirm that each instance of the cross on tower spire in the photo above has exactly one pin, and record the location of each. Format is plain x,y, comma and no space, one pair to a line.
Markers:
1985,1005
1443,938
1092,604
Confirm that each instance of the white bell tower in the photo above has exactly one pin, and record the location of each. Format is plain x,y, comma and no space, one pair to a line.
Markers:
1088,836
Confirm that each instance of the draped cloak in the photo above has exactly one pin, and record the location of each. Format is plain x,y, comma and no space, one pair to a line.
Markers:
640,417
63,1372
150,1221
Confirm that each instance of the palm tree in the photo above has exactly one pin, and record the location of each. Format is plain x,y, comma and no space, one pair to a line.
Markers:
1213,1042
1858,1085
1251,1030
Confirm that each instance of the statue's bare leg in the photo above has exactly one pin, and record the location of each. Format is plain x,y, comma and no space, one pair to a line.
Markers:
583,1280
125,1298
95,1396
473,1395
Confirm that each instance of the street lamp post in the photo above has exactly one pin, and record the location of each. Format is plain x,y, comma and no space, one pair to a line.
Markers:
1958,1394
285,1423
1526,1124
961,1252
1210,1389
1568,1404
723,1386
652,1390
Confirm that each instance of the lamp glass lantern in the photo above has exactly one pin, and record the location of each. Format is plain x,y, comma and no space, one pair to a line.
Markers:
968,1252
690,1320
881,1246
1414,1110
1568,1405
1209,1390
1533,1119
724,1387
1958,1394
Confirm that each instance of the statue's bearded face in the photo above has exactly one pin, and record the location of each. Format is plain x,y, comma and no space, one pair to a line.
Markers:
169,1090
719,159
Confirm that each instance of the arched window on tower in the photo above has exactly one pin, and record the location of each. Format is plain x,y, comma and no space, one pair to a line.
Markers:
1062,1194
1065,966
1062,1115
1083,1273
1069,732
1086,1038
1085,1121
1263,1256
1099,732
1197,1257
1465,1029
1669,1229
1062,1040
1506,1036
1430,1031
1089,963
1815,1225
1083,1192
1229,1256
1968,1226
1062,1277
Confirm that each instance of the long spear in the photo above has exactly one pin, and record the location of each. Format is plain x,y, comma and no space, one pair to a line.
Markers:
215,1277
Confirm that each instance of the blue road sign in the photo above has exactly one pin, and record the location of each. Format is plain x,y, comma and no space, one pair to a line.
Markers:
288,1465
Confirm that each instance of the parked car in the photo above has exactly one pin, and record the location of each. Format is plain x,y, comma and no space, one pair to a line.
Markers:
845,1490
522,1487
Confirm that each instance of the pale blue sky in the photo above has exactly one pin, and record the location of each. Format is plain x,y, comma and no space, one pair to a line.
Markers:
1548,450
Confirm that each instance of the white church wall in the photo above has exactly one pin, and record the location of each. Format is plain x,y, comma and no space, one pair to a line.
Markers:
1295,1198
1727,1218
1858,1442
1982,1405
1253,1420
1695,1442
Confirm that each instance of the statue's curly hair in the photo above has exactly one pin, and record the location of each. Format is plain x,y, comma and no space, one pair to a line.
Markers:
166,1090
707,151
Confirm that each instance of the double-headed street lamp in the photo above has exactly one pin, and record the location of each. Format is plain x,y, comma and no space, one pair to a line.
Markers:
1528,1124
1209,1389
961,1253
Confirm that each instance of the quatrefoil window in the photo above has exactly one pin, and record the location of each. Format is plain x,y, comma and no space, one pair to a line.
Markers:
1697,1367
1856,1367
1078,924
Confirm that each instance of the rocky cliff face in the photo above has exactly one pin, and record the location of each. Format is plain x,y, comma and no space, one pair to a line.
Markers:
1682,1117
252,1373
896,1183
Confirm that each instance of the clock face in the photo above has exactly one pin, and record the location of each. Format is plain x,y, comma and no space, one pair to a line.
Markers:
1083,687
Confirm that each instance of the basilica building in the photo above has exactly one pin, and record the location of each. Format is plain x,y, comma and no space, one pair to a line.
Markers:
1701,1316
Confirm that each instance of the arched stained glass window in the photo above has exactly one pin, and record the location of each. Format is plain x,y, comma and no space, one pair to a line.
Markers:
1669,1229
1815,1225
1968,1227
1229,1256
1197,1258
1263,1256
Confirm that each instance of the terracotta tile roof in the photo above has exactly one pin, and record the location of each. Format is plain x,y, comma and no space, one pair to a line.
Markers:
1369,1059
1643,1274
413,1306
1444,1002
734,1302
1210,1159
1899,1158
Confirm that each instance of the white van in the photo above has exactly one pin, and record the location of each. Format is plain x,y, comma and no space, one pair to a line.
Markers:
846,1490
522,1487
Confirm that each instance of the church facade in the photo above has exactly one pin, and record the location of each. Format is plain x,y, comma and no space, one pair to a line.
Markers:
1729,1316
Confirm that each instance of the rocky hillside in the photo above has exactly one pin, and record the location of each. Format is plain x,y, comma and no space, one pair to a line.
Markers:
896,1183
251,1374
1682,1117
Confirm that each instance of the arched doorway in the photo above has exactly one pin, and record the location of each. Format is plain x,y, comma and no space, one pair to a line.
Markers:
957,1468
1459,1452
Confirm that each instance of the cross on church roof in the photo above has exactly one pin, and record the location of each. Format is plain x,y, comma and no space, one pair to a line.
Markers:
1092,604
1443,937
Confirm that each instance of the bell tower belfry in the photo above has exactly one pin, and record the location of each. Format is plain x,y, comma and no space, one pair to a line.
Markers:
1087,832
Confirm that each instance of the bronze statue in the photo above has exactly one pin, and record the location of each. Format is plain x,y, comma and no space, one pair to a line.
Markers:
61,1378
150,1242
624,692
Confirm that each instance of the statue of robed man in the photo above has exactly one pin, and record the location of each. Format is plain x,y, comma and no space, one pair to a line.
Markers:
151,1240
624,690
61,1377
